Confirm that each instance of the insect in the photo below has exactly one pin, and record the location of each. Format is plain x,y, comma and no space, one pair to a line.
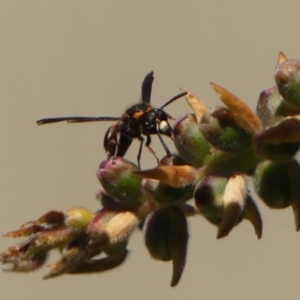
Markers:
139,120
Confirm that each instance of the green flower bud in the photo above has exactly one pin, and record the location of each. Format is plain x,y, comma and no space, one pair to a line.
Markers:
222,201
166,238
272,183
209,197
118,180
230,163
189,141
220,129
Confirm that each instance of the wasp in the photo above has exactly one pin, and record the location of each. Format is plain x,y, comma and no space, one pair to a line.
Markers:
138,120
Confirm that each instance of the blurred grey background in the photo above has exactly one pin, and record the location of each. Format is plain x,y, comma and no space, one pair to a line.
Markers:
62,58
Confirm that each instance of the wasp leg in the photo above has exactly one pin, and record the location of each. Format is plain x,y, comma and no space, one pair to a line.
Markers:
141,139
148,142
117,146
162,141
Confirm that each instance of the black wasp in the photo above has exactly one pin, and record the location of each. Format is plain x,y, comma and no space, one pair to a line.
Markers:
138,120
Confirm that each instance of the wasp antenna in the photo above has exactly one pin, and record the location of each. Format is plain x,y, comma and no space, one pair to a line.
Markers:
174,98
147,88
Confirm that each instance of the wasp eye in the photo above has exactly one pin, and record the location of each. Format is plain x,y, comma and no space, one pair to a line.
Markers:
164,127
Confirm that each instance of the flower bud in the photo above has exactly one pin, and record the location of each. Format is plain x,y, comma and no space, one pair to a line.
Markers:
281,130
119,181
269,105
221,200
230,163
166,238
280,140
175,176
242,114
110,228
220,129
164,193
272,183
287,77
79,217
189,141
209,197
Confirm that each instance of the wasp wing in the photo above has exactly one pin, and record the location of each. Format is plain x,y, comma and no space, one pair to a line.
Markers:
147,88
76,119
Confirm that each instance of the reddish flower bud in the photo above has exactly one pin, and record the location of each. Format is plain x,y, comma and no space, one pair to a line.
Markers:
287,77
